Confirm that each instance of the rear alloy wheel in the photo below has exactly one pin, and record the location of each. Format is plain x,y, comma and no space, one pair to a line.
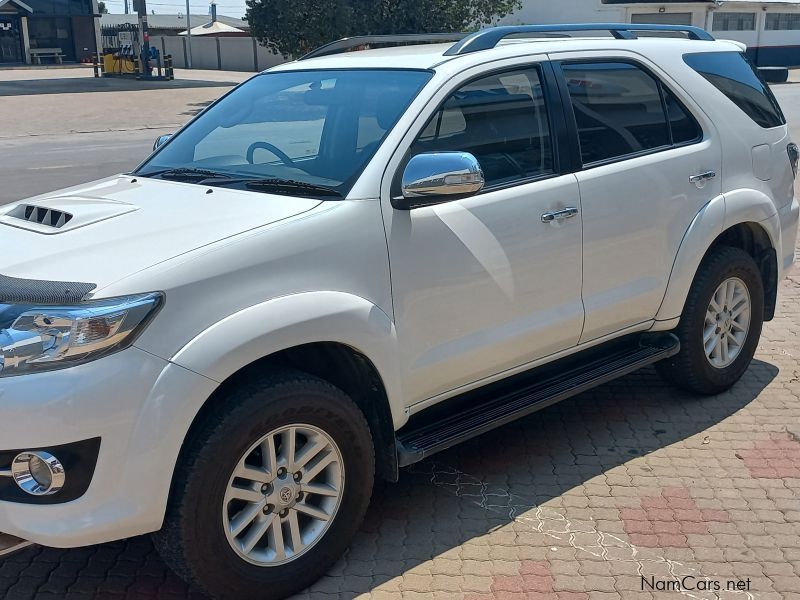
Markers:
727,323
720,326
270,488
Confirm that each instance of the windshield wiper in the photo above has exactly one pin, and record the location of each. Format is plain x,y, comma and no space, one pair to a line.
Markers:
189,173
274,185
289,186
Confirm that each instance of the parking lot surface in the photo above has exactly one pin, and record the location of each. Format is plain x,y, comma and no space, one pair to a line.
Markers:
613,494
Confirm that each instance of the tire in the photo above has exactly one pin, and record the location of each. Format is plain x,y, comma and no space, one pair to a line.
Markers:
692,369
194,540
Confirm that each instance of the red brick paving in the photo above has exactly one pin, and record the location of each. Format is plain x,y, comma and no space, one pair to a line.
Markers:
775,458
533,582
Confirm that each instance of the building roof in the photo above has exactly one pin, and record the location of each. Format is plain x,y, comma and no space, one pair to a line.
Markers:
18,4
176,22
215,28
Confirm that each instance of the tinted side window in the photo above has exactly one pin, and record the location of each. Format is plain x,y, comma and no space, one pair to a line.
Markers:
684,127
618,110
736,77
502,120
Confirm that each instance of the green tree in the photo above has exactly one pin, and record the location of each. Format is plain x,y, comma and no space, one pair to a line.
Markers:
294,27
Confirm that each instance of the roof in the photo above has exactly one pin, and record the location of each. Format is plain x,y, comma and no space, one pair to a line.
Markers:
432,56
176,22
18,3
215,28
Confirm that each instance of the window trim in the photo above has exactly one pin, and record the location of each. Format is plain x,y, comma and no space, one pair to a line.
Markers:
556,119
572,122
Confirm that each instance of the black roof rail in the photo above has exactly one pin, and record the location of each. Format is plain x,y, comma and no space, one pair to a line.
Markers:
485,39
350,43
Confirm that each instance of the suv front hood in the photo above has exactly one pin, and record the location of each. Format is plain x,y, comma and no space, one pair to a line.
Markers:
104,231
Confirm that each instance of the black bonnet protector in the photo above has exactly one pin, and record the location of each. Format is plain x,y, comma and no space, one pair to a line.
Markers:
14,290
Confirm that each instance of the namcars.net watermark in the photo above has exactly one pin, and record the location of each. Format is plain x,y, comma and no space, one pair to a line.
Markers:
690,583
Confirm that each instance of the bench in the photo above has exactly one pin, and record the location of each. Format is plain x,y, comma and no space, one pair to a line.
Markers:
37,54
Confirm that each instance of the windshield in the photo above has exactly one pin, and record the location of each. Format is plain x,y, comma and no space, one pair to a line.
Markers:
303,131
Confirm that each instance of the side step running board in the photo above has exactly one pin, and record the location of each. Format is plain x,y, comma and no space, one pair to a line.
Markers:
416,442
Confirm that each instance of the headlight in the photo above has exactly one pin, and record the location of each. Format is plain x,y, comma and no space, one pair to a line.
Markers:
43,338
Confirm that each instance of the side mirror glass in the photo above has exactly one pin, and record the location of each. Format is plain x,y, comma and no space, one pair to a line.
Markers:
161,140
435,177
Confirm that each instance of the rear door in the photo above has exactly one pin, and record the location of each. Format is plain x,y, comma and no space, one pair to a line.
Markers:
650,160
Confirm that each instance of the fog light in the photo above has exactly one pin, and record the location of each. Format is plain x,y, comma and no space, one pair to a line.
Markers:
38,473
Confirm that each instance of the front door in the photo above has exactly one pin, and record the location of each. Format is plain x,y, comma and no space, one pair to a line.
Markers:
10,40
482,285
650,163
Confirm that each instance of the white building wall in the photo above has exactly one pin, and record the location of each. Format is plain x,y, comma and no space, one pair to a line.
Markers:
775,47
233,53
535,12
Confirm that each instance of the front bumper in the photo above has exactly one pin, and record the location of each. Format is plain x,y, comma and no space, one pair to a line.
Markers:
139,405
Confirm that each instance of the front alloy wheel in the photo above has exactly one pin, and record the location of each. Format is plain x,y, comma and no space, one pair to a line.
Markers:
283,494
270,488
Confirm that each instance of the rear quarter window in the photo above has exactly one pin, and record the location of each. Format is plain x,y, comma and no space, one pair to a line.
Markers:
736,77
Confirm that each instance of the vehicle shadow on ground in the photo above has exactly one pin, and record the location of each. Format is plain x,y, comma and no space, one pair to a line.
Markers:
438,505
72,85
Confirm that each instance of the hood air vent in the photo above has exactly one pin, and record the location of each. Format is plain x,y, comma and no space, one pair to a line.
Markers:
48,217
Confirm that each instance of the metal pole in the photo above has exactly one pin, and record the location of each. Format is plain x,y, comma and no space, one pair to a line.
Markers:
188,36
145,33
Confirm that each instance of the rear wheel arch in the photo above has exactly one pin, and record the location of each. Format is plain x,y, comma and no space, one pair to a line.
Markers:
754,239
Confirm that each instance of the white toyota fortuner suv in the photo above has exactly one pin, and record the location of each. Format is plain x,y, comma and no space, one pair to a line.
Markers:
358,259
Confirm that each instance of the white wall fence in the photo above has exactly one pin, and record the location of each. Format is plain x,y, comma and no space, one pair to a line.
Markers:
225,53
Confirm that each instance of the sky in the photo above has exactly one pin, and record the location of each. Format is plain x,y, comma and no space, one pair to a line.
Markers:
231,8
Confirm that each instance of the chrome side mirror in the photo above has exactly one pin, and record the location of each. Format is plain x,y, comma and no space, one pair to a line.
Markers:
436,177
160,141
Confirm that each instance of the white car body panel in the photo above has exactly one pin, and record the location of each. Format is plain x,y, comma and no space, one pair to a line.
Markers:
631,239
289,321
482,304
140,405
167,219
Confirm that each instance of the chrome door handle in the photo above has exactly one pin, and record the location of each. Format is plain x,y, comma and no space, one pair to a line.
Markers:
703,177
559,215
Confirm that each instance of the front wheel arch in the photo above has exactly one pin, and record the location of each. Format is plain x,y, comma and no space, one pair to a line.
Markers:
340,365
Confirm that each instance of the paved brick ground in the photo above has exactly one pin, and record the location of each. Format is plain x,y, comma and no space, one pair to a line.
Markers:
577,502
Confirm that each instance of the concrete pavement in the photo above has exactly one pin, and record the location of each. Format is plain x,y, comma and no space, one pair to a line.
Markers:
63,127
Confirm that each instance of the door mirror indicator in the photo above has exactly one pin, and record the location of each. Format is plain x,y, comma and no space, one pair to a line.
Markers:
434,177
